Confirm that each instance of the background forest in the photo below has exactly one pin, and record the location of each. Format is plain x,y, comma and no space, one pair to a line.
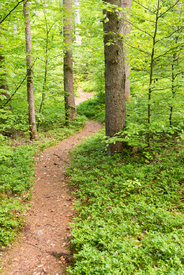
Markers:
130,205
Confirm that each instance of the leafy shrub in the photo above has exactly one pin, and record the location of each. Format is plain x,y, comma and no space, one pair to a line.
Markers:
16,178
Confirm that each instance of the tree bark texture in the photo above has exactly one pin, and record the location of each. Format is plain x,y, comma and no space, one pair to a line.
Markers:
70,111
126,32
30,94
114,75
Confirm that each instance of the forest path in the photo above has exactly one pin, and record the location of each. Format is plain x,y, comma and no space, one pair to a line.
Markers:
42,247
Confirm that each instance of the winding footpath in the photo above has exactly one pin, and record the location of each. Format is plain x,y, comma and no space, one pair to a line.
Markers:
42,247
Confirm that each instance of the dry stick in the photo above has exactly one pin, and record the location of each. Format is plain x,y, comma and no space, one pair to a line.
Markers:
33,245
19,85
11,11
61,158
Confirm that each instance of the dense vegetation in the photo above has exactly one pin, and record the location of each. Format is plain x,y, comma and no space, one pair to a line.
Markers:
130,214
130,217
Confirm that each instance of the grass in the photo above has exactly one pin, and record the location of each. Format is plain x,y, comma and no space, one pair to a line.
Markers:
130,211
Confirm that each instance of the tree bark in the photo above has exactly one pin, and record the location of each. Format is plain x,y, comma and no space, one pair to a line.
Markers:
70,111
126,32
114,75
30,94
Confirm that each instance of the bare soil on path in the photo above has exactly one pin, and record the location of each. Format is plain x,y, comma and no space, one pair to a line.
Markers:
42,247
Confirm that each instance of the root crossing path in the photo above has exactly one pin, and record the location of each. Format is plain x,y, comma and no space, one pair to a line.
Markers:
42,248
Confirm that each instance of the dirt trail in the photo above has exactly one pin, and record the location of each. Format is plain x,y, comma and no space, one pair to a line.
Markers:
42,247
82,96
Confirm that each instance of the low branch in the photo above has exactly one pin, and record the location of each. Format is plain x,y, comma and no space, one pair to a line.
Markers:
11,11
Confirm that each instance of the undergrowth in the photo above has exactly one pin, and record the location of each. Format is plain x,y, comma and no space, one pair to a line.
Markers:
130,211
16,178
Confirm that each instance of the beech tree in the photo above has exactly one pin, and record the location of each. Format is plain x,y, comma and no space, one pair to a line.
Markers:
30,94
70,111
114,73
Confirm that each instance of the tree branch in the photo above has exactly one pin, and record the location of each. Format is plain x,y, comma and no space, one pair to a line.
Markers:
143,6
137,48
180,46
11,11
169,35
169,8
18,86
138,28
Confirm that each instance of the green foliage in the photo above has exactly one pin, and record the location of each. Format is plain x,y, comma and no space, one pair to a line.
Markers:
130,214
16,178
89,57
160,89
93,108
59,132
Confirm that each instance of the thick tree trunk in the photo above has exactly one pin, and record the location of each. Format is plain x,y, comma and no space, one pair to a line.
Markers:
30,94
126,32
70,111
114,76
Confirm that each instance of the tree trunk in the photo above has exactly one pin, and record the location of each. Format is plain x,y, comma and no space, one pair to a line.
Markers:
70,111
30,94
77,21
3,83
114,76
126,32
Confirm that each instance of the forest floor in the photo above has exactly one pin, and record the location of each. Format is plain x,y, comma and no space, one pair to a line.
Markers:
42,248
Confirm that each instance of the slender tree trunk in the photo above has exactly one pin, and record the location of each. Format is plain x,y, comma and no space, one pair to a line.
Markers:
30,94
77,21
46,65
173,77
151,71
70,111
126,32
174,65
3,83
114,76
